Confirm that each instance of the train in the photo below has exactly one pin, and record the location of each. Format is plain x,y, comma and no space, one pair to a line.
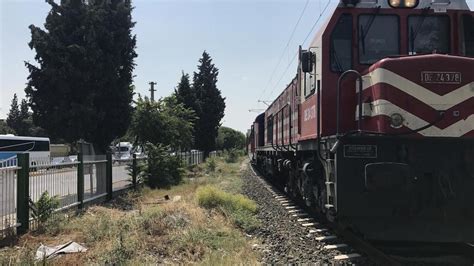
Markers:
376,130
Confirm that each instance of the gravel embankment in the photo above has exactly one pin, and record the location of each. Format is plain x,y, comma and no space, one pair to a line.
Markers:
283,239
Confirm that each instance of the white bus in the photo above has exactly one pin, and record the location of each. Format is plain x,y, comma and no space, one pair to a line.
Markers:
11,145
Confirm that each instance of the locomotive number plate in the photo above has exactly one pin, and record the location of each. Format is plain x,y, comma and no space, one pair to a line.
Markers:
360,151
441,77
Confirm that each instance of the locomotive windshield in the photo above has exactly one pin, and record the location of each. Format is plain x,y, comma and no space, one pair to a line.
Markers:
378,37
341,44
467,34
428,34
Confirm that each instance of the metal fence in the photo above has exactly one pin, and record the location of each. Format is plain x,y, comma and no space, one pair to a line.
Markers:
58,179
73,183
191,157
8,183
94,174
124,170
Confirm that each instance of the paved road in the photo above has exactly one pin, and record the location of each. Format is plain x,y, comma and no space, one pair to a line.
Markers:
60,182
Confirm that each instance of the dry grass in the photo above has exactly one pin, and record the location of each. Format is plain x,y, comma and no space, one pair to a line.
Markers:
142,228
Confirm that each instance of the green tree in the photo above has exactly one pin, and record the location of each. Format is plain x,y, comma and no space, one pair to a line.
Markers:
181,123
211,104
13,117
81,85
5,129
185,94
164,122
20,121
25,122
160,126
228,138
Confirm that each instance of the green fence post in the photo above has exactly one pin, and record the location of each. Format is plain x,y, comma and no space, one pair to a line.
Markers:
134,171
108,175
80,180
22,193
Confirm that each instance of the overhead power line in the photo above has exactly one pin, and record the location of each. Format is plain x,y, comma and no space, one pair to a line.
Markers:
285,48
304,41
316,23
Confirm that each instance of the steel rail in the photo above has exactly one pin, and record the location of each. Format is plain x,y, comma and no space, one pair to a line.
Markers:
374,253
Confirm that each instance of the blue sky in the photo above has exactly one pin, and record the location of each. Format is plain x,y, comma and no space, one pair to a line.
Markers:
245,38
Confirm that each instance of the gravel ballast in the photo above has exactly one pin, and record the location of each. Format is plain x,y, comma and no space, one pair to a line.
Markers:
284,239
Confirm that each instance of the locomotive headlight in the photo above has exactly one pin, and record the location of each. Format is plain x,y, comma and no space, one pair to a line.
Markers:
395,3
396,120
410,3
403,3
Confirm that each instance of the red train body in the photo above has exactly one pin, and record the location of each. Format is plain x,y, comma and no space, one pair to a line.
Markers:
395,162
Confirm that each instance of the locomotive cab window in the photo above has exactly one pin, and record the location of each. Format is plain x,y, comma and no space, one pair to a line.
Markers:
467,33
428,34
378,37
341,44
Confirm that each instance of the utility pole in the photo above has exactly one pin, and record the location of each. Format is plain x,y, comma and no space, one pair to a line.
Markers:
152,90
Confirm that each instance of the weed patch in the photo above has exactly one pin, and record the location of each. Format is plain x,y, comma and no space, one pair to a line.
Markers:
239,208
211,165
233,155
211,197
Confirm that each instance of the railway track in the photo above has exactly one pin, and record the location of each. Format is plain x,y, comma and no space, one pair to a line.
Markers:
351,247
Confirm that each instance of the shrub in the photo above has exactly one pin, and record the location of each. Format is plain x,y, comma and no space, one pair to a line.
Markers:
211,164
163,169
233,155
43,209
210,197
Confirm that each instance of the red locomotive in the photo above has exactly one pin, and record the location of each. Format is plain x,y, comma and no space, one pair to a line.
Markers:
377,128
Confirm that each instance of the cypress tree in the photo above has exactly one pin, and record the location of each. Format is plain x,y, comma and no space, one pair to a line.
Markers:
24,120
185,94
81,85
13,117
211,104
